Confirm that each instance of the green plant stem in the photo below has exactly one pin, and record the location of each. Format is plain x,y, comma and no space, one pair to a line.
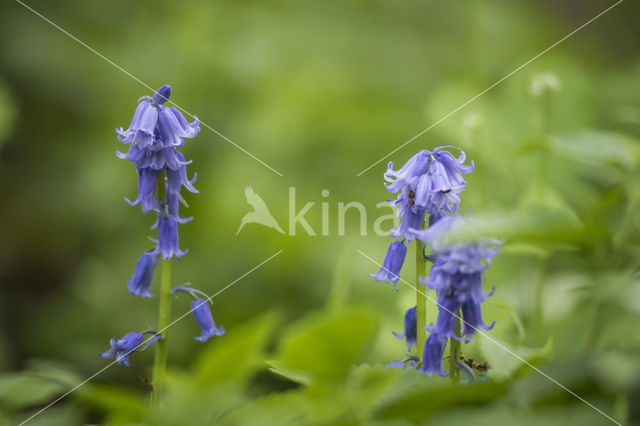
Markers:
454,351
164,315
421,300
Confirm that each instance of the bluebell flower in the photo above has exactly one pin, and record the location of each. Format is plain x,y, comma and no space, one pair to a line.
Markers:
445,325
440,187
435,217
140,283
177,177
392,264
168,243
122,348
432,356
173,206
408,173
156,159
434,179
154,135
147,183
459,271
173,127
143,125
472,319
410,220
202,315
153,122
435,192
410,333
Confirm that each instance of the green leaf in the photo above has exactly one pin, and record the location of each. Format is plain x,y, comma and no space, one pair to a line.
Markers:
275,409
597,148
297,376
56,415
43,381
24,389
236,355
341,278
322,346
122,402
540,225
505,360
575,414
366,384
513,315
416,396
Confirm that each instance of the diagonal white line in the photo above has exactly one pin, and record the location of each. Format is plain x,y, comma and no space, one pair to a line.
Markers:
491,87
146,86
144,342
497,343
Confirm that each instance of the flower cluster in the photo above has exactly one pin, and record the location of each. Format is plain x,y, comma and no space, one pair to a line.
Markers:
456,276
430,183
154,136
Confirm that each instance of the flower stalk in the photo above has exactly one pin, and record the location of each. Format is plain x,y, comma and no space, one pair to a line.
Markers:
454,351
164,315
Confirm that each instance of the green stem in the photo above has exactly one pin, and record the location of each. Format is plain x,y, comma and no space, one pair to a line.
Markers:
421,300
164,315
454,351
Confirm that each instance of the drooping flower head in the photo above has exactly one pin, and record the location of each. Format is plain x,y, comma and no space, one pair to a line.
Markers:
410,333
432,356
168,240
445,325
390,271
154,135
155,127
407,174
147,184
140,283
429,182
409,217
122,348
202,314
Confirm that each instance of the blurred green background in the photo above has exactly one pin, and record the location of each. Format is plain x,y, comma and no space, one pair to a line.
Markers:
319,91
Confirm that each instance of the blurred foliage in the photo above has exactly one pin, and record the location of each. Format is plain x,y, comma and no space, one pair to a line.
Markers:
319,91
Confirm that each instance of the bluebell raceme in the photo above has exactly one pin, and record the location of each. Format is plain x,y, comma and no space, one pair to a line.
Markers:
430,184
